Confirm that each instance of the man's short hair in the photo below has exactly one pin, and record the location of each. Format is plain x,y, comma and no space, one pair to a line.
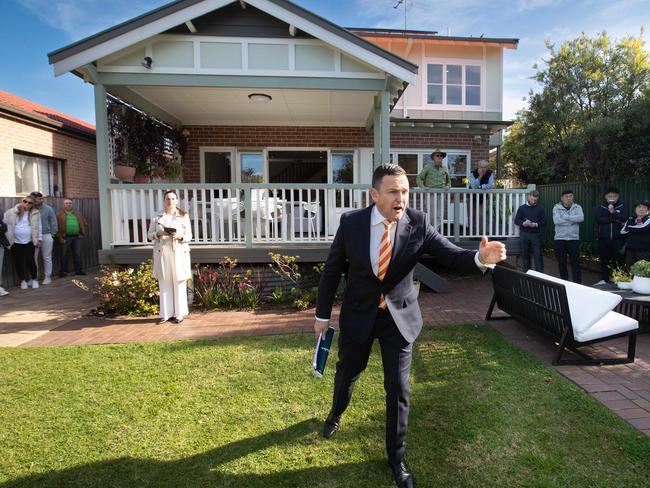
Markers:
36,194
533,193
567,192
386,169
612,189
485,162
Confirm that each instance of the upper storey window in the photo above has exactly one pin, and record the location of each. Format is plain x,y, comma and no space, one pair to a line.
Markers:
454,84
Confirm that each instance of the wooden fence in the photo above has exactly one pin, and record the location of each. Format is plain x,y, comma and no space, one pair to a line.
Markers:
89,208
589,196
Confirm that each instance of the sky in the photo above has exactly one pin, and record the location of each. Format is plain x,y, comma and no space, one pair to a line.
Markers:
29,29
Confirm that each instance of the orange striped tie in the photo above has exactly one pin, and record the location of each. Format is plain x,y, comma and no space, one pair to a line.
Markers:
385,251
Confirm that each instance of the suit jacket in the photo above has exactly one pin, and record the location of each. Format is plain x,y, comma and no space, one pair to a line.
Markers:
414,236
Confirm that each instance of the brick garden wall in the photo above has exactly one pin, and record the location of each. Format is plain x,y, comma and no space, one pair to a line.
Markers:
78,154
332,137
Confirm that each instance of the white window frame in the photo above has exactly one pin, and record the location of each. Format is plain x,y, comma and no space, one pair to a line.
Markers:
265,162
355,163
53,164
449,61
218,149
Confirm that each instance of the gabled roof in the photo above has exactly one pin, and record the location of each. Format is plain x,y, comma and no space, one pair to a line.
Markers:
195,8
27,109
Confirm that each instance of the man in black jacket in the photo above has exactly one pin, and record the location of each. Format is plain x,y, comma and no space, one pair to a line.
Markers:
530,218
378,247
612,215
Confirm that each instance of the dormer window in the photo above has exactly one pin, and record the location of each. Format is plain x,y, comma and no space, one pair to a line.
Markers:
454,84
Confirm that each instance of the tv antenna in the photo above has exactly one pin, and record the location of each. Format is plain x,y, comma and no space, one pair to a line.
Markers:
402,2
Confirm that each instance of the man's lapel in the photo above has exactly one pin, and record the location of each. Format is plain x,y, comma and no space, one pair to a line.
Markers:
364,241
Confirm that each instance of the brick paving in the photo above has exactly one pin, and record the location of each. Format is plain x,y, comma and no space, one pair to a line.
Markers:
56,316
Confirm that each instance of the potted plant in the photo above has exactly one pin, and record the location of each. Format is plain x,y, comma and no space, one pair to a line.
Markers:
641,280
150,146
622,278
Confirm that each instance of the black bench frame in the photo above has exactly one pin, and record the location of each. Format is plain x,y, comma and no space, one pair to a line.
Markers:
543,304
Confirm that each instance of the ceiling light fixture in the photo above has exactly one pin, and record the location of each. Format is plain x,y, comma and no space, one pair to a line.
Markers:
260,97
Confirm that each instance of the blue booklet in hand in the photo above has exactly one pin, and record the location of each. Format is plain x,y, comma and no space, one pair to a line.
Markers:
322,351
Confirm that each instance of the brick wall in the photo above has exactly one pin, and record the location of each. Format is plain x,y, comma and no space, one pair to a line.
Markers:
78,154
330,137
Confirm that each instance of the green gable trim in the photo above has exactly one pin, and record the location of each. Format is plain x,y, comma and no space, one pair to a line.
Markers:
222,81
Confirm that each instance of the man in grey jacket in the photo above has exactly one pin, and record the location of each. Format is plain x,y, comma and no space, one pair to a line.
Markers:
567,216
49,229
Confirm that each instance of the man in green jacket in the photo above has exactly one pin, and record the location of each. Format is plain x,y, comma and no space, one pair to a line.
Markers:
435,175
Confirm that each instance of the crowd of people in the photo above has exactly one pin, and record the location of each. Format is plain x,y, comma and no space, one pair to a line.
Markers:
28,232
622,239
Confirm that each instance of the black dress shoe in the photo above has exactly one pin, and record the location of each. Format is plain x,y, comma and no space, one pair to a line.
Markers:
80,273
403,476
330,426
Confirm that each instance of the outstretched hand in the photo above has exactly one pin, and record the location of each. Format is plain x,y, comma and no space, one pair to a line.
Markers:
491,252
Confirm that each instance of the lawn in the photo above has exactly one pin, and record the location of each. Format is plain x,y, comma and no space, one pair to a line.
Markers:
248,412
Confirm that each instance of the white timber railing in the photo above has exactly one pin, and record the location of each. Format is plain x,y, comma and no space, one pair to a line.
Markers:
257,214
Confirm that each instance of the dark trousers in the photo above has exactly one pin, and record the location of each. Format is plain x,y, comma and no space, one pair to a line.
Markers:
610,251
572,248
24,261
396,360
534,240
72,244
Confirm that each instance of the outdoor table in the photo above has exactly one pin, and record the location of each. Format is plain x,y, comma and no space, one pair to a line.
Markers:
633,305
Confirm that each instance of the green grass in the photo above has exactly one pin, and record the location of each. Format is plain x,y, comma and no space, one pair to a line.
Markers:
248,412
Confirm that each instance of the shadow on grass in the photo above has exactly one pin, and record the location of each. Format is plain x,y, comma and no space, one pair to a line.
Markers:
205,469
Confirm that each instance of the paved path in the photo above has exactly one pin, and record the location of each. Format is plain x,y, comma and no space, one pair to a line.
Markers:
56,316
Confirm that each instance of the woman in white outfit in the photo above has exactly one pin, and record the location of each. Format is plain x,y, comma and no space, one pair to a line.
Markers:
24,235
171,232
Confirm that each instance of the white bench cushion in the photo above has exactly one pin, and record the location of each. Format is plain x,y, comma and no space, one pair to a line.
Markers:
586,305
611,324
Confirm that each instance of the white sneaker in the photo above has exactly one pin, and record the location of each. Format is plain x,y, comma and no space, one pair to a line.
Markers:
3,292
23,285
34,284
601,282
46,281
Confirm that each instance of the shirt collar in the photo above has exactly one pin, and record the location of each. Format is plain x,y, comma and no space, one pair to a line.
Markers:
377,218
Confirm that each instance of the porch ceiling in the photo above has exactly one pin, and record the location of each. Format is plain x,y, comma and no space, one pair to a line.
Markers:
231,106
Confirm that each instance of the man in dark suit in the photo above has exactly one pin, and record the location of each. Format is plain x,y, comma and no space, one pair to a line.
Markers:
379,246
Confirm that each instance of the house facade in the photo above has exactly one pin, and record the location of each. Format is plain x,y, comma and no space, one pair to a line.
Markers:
45,150
286,114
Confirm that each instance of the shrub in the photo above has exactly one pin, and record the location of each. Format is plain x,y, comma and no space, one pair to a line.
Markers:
226,287
621,275
125,291
641,268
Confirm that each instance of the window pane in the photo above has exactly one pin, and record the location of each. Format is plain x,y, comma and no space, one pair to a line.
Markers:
454,74
217,167
409,162
342,168
297,167
252,170
472,75
457,164
434,73
454,95
473,95
434,94
32,173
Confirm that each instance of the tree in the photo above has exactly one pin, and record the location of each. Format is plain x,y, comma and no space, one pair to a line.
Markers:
588,121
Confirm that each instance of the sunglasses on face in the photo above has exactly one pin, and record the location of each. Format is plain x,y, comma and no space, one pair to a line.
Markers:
438,156
28,202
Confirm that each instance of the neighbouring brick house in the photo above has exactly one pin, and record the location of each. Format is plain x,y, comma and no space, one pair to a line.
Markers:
45,150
